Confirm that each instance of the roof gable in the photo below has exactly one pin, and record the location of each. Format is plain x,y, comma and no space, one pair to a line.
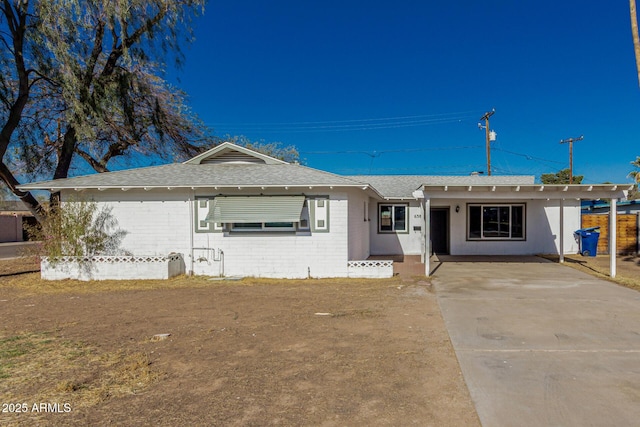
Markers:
229,153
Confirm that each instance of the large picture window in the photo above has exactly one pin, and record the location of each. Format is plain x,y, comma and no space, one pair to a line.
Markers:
496,222
393,218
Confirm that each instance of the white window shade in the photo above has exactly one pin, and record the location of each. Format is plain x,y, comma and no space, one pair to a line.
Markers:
251,209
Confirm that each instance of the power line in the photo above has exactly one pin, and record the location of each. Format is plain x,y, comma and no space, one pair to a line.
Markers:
378,153
356,120
529,157
349,125
462,170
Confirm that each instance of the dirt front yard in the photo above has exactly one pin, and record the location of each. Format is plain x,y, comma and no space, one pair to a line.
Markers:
239,353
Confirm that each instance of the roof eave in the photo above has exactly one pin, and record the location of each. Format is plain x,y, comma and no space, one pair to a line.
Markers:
36,186
556,191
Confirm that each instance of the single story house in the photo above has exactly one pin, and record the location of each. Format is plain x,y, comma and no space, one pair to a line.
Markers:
235,212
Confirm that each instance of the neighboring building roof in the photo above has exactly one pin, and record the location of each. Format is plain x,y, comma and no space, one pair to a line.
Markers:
604,205
12,206
403,186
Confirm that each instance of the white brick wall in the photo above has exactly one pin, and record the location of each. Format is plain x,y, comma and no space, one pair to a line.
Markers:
281,255
160,221
157,221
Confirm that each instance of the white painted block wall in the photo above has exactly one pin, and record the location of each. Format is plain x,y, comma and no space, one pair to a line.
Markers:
159,222
155,270
409,243
359,223
282,255
542,229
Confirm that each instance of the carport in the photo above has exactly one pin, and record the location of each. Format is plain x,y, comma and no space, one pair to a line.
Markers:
556,207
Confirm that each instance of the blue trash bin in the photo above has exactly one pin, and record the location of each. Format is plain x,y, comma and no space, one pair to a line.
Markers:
588,240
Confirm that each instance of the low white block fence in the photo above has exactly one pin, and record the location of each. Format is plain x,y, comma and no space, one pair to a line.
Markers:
118,267
370,269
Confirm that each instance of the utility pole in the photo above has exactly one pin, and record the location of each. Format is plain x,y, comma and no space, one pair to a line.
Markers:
570,141
489,135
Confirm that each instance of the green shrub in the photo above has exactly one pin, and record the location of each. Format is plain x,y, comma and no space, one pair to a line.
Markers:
78,228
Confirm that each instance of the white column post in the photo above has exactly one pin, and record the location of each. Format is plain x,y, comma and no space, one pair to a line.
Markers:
427,236
561,230
613,236
423,228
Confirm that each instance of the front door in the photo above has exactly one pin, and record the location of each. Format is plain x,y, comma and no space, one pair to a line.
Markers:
440,231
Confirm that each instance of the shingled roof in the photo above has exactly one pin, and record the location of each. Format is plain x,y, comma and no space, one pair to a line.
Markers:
229,165
203,175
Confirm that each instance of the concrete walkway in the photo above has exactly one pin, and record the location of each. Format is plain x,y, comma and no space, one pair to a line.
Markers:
542,344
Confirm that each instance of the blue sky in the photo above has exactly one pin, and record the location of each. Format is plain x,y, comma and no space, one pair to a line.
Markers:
398,87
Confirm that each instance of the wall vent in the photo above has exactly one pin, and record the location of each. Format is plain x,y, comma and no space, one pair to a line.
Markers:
232,156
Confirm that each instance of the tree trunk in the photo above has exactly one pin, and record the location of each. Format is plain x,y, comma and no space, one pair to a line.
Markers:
65,155
634,33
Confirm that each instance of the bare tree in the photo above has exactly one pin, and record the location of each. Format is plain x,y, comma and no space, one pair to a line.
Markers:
82,79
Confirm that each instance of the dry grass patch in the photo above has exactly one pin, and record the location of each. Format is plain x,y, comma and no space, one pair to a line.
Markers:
21,265
32,284
39,367
29,284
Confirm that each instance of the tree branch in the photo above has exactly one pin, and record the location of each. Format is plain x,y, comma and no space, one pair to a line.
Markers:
18,28
95,53
130,40
96,165
27,198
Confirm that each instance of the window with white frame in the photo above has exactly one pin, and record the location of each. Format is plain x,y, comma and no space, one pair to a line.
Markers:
496,221
393,218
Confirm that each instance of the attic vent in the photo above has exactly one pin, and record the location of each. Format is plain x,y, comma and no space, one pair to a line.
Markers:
232,157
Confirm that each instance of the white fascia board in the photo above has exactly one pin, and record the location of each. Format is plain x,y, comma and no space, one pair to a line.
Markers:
535,191
196,186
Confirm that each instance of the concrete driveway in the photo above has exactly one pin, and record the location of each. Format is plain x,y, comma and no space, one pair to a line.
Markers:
542,344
